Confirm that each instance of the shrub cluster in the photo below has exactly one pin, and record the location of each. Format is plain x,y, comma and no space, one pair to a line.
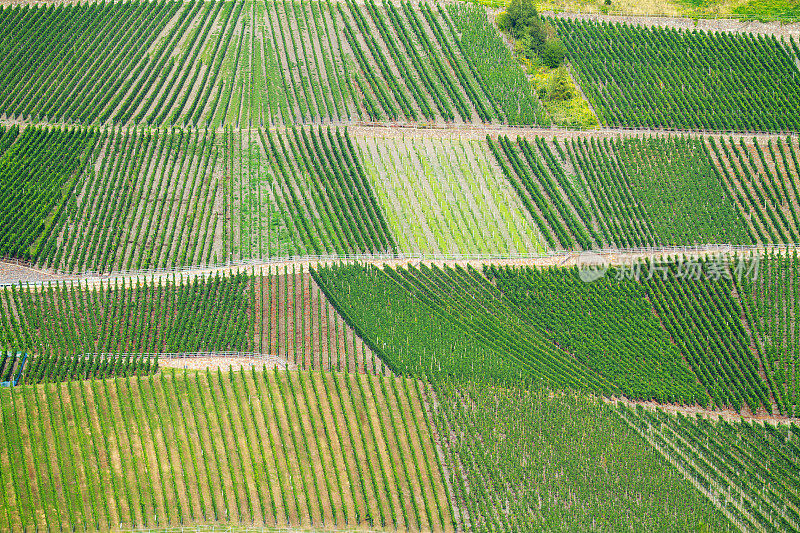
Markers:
535,37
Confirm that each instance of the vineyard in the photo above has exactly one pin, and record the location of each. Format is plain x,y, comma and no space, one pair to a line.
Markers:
446,196
693,80
256,64
333,450
78,331
103,200
517,449
350,265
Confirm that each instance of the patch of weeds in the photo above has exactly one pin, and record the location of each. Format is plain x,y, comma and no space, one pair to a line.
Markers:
561,98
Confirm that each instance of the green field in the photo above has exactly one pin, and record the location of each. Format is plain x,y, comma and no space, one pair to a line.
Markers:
515,448
248,447
375,265
447,197
250,64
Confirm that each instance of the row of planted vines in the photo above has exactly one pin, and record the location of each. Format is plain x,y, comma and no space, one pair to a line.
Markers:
243,64
771,303
666,330
662,77
446,197
626,192
78,331
282,449
748,469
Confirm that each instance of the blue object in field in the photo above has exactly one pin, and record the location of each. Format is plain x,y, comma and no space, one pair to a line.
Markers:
14,382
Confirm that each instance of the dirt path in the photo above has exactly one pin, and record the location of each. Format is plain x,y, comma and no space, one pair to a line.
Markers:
683,23
224,363
12,273
728,415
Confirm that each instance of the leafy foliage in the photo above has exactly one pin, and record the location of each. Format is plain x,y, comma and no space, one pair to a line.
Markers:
535,460
662,77
608,325
750,469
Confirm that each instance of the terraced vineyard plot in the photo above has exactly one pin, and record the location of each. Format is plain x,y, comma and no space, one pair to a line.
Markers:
279,449
58,324
446,197
296,321
246,64
523,460
750,471
449,323
628,192
762,180
771,305
680,333
662,77
323,193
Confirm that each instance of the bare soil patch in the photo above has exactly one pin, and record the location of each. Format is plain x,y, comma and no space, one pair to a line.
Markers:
225,363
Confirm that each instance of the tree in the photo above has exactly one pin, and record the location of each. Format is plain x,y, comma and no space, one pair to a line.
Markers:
559,87
521,14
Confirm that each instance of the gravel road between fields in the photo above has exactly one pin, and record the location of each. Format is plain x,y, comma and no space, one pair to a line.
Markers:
728,415
684,23
11,273
225,363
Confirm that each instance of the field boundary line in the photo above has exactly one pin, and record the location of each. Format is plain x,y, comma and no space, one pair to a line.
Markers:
611,254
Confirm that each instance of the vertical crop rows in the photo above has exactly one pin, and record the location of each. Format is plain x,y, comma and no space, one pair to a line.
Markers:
264,448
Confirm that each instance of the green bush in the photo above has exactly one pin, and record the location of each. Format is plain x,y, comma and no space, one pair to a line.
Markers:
553,53
559,86
503,21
